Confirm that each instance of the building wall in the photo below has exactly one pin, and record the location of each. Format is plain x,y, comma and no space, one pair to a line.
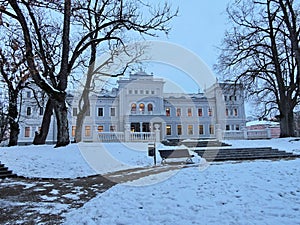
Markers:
179,115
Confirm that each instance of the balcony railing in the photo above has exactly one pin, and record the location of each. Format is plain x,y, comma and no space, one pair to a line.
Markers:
122,137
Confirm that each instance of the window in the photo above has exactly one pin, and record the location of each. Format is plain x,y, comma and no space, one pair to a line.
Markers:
227,127
201,129
147,92
227,112
190,129
152,92
150,107
100,128
41,111
27,132
210,111
112,128
133,107
87,131
28,94
130,92
136,92
211,129
178,112
189,112
235,112
168,111
168,130
200,112
225,97
74,111
73,131
112,111
100,112
141,92
28,111
237,127
179,129
142,107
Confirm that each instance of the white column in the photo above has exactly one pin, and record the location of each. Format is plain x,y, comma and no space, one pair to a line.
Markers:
127,132
157,133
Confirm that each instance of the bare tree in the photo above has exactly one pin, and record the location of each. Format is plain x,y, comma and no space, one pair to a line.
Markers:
113,64
4,123
14,75
113,20
262,51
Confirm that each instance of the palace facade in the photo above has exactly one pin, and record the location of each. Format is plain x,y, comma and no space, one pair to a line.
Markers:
140,106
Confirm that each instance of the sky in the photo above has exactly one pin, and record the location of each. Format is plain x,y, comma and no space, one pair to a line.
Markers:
199,27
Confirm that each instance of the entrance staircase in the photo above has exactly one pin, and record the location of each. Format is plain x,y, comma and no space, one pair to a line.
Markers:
5,172
214,150
228,154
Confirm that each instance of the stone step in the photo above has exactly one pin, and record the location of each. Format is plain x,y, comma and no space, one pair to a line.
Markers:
9,175
243,154
249,158
3,168
5,172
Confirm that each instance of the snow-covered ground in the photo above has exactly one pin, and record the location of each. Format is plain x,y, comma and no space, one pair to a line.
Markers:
256,192
84,159
262,192
74,160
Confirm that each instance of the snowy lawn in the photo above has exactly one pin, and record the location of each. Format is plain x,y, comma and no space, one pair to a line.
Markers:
261,192
256,192
74,160
84,159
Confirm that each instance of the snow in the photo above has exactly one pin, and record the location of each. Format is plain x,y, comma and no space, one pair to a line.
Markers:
74,160
261,122
252,192
261,192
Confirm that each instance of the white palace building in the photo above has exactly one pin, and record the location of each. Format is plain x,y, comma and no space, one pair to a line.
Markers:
140,110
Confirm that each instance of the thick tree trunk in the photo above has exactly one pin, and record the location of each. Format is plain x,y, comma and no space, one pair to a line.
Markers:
287,120
61,113
41,136
14,133
13,115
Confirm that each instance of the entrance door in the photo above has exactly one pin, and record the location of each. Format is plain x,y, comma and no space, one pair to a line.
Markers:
146,127
135,127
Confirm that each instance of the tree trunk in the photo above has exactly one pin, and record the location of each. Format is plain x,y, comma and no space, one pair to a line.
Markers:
61,113
41,136
81,115
13,115
287,120
85,95
14,133
79,124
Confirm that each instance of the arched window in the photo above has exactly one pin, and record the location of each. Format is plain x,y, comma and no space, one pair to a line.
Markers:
133,107
150,107
142,107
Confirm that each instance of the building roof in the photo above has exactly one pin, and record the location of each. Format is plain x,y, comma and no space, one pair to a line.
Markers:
261,122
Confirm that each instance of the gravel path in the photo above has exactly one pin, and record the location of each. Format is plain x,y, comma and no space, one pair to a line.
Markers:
43,201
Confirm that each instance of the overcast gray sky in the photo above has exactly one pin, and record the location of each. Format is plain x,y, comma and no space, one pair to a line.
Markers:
200,27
